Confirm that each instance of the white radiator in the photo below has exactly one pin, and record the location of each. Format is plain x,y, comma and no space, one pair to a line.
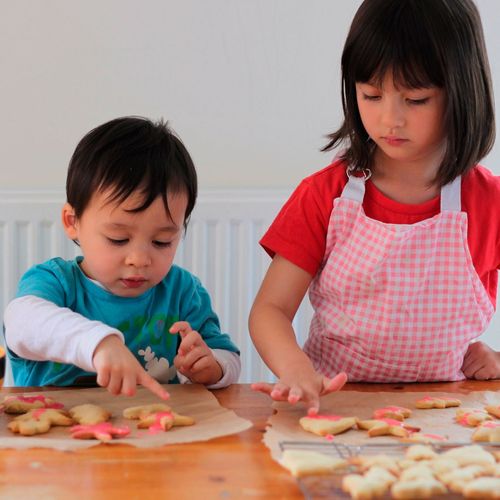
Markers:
220,247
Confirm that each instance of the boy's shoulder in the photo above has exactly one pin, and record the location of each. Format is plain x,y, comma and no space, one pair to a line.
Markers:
58,266
180,277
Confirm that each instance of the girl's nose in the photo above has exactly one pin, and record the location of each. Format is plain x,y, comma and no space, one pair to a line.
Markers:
393,113
138,257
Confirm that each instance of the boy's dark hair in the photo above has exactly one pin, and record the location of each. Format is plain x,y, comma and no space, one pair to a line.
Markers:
127,154
423,43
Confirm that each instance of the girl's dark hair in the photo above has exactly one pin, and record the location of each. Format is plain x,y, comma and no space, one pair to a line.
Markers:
423,43
128,154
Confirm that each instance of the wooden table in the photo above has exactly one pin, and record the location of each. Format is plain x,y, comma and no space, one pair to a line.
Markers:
232,467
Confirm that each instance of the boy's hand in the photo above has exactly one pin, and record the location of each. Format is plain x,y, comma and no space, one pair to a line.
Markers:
481,362
307,388
194,358
119,371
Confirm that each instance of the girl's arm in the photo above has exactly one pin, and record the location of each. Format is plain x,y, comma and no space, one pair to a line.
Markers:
270,324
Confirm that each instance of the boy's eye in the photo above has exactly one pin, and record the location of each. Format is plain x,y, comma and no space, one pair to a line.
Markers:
114,241
162,244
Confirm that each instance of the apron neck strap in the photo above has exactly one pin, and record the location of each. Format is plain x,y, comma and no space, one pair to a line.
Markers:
450,193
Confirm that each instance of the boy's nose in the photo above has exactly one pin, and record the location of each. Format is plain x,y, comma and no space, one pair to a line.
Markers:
138,258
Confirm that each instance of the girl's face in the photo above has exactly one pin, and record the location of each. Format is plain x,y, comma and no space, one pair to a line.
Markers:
128,253
406,124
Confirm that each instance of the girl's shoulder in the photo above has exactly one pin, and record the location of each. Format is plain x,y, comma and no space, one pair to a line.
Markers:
330,178
481,186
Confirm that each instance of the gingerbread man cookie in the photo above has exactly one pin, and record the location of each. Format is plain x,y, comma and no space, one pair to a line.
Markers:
387,426
323,425
394,412
430,402
23,404
104,431
39,421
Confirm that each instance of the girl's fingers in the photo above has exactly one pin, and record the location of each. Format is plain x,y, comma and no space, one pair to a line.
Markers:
262,387
295,395
333,384
103,378
181,327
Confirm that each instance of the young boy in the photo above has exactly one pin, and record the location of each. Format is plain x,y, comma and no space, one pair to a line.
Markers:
122,310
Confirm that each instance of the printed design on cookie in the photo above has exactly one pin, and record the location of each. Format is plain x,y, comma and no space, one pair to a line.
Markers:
324,425
439,402
39,421
104,431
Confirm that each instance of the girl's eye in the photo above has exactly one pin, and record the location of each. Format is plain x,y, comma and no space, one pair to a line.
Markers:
117,242
162,244
368,97
418,102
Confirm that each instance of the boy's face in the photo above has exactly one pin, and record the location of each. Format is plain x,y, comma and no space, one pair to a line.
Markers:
128,253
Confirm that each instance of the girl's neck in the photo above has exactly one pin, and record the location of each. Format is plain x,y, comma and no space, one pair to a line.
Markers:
411,182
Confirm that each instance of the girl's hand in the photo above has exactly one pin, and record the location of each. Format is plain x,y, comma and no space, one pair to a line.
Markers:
195,359
481,362
306,389
120,372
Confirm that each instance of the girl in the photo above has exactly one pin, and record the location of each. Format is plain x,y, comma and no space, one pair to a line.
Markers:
398,241
122,313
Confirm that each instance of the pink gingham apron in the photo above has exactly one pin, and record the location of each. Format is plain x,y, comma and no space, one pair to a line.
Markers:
396,302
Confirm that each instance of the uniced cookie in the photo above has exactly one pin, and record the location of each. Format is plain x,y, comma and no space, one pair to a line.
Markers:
387,426
306,462
136,412
89,414
323,425
394,412
493,410
487,432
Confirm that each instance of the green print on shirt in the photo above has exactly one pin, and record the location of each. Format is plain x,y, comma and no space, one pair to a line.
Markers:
154,330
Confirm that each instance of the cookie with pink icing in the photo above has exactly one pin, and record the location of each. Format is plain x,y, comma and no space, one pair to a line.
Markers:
104,431
23,404
163,421
39,421
387,426
430,402
472,417
421,437
324,425
394,412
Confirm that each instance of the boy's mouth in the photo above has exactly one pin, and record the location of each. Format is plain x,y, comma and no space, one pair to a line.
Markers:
133,282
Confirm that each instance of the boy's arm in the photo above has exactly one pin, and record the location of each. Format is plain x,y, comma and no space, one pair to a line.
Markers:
39,330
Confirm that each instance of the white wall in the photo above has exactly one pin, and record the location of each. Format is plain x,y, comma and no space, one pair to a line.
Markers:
251,86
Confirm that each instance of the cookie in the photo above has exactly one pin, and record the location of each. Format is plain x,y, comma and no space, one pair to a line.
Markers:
366,462
39,421
163,420
104,431
323,425
420,437
483,488
136,412
23,404
89,414
387,426
394,412
472,417
430,402
361,487
305,462
420,452
493,410
421,487
469,455
487,432
458,478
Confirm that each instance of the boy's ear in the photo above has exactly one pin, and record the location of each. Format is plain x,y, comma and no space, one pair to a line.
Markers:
69,221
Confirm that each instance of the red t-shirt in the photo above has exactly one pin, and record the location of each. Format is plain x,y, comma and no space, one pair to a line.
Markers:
299,231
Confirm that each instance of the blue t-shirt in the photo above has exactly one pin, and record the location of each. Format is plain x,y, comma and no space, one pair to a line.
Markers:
144,320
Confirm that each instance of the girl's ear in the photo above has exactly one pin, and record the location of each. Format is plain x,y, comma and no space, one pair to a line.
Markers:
69,221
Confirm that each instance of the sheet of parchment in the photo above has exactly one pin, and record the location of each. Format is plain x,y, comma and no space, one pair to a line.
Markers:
212,420
284,424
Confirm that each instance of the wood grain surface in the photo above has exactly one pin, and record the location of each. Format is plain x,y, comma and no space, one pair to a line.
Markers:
232,467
